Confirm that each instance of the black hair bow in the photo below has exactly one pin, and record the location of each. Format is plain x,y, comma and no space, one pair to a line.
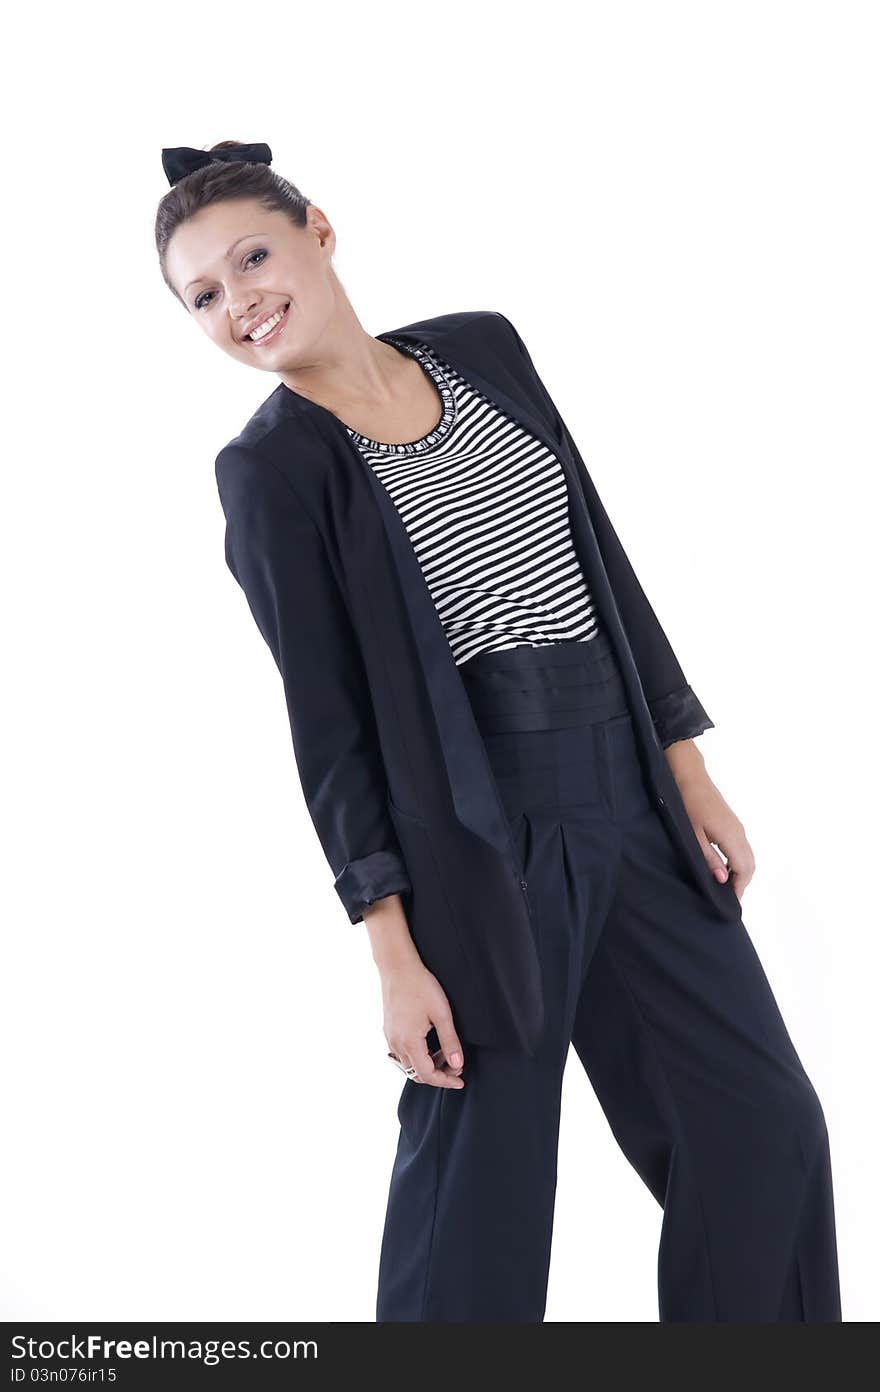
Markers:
181,160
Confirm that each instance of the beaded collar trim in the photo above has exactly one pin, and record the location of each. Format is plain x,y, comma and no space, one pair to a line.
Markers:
447,396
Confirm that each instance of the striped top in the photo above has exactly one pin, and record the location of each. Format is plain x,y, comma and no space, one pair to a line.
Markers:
485,506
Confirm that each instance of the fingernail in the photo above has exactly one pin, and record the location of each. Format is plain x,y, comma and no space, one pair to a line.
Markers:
722,875
456,1060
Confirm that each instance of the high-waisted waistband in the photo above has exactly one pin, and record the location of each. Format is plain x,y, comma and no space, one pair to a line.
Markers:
545,687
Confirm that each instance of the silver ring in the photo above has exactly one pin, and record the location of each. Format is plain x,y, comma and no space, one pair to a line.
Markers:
409,1071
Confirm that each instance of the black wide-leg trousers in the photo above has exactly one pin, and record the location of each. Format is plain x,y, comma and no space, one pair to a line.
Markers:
670,1014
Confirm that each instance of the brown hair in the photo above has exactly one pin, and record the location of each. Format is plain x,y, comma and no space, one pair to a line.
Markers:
224,179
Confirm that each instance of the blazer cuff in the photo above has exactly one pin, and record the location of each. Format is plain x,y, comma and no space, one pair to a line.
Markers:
679,716
370,878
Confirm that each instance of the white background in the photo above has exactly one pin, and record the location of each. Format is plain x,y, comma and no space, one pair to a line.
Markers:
676,205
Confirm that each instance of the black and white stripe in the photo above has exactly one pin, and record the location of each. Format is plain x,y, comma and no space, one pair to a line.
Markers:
485,505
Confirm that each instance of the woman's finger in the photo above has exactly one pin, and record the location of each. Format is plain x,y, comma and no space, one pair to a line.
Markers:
425,1067
714,859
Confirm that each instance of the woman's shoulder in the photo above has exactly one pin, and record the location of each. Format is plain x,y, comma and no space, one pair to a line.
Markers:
271,451
254,470
466,324
257,432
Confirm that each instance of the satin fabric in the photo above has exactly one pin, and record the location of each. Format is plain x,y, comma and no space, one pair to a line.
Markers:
545,687
180,160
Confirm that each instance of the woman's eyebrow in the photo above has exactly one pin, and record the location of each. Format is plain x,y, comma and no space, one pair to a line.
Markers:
227,255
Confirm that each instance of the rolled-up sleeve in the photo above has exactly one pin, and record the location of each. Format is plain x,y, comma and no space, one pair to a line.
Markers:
678,716
278,556
675,709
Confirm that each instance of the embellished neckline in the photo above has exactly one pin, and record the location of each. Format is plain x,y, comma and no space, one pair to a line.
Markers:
449,408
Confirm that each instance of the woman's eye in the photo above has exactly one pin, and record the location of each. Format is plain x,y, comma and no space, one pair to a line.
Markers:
204,298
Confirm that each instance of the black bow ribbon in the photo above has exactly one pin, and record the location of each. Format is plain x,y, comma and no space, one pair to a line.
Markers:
181,160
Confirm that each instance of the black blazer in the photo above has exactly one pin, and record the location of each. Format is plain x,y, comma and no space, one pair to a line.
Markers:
392,765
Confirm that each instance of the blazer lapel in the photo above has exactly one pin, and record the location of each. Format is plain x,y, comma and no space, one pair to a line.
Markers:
583,535
473,787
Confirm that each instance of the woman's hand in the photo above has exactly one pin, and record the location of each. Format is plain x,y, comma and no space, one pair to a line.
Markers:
711,817
413,999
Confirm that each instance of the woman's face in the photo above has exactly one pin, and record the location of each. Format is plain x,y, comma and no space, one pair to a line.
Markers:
235,266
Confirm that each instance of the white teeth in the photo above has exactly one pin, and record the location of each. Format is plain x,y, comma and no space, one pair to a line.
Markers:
266,327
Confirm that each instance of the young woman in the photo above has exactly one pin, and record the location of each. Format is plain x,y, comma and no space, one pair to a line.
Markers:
496,746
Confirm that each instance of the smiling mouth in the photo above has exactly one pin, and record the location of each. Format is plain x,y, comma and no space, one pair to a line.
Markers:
270,328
